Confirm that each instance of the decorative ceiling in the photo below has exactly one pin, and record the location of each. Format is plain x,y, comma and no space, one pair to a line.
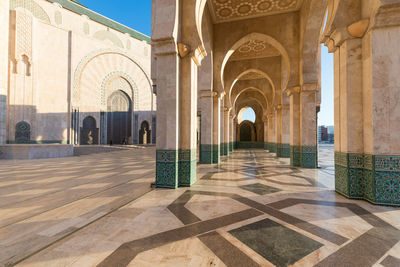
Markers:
254,49
228,10
252,76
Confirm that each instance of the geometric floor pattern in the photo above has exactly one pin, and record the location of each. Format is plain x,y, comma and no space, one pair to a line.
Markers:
251,210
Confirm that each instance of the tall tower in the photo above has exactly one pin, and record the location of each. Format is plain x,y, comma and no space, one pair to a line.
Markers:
4,28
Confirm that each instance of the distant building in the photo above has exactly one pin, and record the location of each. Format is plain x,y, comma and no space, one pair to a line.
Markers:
322,134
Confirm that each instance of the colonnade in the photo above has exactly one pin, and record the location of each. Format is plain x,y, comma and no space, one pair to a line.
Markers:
206,62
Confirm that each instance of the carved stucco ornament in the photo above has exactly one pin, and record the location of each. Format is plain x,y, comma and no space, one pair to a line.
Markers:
359,28
183,50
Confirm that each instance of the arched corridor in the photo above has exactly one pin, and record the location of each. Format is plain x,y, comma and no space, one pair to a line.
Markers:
268,57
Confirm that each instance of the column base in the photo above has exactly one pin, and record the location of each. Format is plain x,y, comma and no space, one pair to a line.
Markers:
187,167
167,169
309,157
374,178
224,149
206,154
216,158
248,145
231,147
295,159
272,147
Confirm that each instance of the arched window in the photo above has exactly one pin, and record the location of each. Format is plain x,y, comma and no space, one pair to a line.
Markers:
22,132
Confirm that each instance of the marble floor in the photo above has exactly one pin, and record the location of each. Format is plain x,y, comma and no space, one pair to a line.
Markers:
251,210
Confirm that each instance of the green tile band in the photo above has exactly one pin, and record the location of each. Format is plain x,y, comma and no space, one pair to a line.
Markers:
206,154
295,159
231,146
167,168
216,154
375,178
248,145
187,166
309,157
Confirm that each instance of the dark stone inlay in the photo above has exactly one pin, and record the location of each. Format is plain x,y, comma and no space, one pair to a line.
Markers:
276,243
224,250
391,261
260,189
123,255
369,248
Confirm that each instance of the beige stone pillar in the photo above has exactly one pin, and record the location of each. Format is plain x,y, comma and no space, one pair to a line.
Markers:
188,122
231,132
295,126
206,131
285,131
271,133
265,120
278,130
216,128
381,98
168,106
221,128
226,131
308,126
4,29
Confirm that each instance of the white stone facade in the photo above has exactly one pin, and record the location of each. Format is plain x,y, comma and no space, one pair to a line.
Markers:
65,62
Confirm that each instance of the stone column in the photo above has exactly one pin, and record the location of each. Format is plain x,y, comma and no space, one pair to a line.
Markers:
4,29
221,129
349,145
168,107
381,99
285,136
226,131
308,126
188,122
295,127
265,120
206,146
278,130
216,128
231,132
271,133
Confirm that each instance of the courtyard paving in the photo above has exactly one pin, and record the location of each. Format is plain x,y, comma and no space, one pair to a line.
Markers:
253,209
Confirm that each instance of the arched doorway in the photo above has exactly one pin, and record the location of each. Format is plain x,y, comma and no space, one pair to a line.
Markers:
119,118
89,132
22,132
144,133
247,132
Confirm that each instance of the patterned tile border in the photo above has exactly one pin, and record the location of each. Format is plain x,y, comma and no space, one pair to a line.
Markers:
247,145
295,159
283,151
375,178
167,168
216,156
206,154
187,167
309,157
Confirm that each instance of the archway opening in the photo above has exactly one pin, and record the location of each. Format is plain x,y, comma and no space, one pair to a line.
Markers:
89,132
325,130
144,133
119,118
248,114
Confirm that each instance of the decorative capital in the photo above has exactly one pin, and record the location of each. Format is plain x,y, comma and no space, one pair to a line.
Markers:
183,50
310,87
359,28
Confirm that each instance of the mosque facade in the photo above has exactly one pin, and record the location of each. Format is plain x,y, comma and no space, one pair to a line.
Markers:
73,77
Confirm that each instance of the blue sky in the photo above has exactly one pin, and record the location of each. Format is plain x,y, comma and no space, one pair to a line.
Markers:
136,14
